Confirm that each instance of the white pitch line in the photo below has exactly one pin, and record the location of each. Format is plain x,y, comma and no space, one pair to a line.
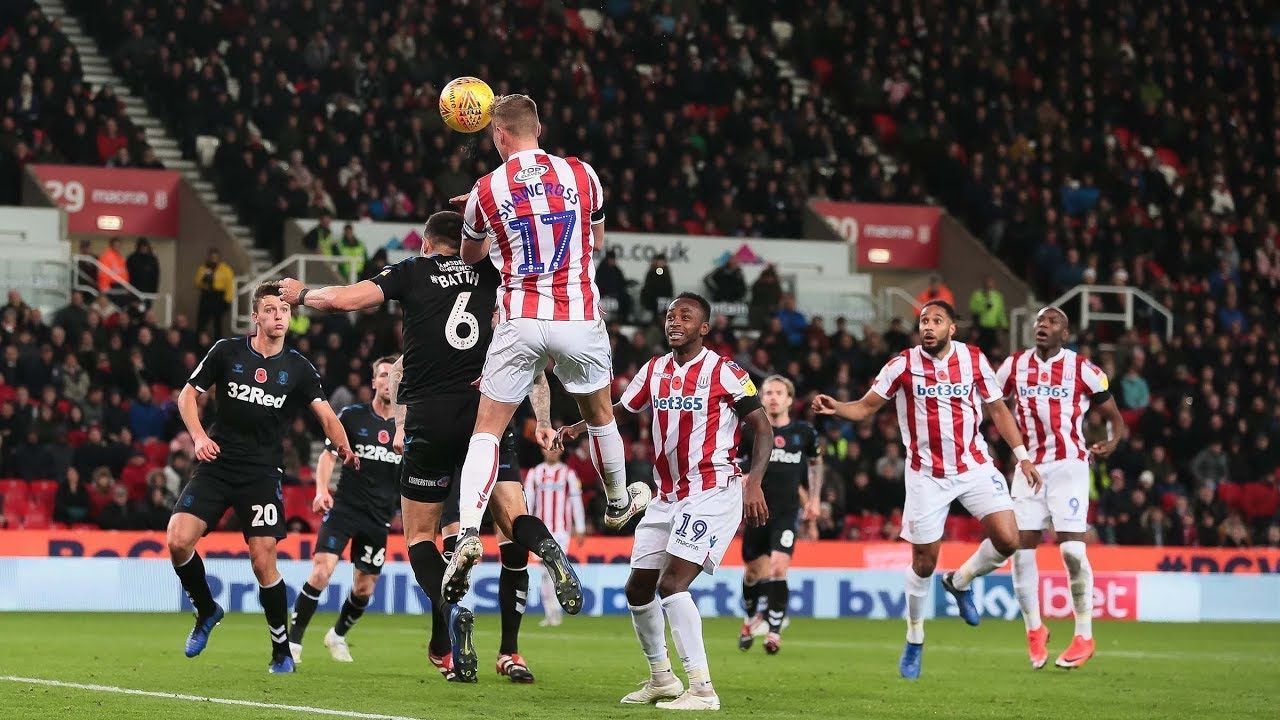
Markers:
200,698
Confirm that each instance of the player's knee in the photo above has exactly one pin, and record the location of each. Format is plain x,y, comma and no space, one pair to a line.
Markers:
669,585
1005,543
514,556
364,586
320,574
639,591
924,564
180,549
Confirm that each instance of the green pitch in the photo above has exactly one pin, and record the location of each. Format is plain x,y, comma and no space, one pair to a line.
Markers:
827,669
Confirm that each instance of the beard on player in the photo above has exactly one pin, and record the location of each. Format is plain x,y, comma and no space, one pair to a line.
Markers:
937,325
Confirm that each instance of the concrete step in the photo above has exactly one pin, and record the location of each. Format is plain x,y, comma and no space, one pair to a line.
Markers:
168,154
203,186
179,164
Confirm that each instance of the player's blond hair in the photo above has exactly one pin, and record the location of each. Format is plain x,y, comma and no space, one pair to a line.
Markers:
786,383
517,115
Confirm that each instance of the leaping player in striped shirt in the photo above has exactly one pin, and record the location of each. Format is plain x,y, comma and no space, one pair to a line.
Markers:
1052,388
699,401
940,387
554,494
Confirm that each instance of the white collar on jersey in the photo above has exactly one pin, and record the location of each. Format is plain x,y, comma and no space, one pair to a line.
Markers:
522,153
1036,356
677,367
951,350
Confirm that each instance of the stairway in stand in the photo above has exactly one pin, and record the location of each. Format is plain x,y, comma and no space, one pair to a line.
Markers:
98,72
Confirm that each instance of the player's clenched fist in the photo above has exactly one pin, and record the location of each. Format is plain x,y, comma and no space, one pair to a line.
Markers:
290,289
323,503
824,405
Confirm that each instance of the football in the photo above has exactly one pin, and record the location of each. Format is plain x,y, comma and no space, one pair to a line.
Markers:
465,104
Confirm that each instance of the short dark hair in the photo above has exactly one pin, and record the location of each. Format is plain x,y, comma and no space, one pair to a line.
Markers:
270,287
946,308
445,227
701,301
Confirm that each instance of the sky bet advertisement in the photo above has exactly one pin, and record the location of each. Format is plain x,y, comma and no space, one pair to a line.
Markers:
149,585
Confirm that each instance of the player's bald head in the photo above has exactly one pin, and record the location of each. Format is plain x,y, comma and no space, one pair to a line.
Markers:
516,115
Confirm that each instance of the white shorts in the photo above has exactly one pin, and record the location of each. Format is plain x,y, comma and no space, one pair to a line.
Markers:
521,348
982,491
698,529
1063,499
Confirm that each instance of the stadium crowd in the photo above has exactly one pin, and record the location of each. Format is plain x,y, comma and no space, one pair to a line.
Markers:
1106,143
87,402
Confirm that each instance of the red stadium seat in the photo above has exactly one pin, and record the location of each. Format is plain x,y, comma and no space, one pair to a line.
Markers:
46,491
160,393
15,505
13,486
40,519
1231,494
297,502
1123,137
134,478
157,452
1259,500
76,438
6,392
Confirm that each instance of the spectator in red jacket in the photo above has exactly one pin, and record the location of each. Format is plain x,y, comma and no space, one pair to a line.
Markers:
110,140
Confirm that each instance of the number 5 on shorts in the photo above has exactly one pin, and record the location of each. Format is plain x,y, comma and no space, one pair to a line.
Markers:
998,482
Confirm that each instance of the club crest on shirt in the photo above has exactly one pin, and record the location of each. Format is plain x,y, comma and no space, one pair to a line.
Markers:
384,437
283,377
260,375
704,382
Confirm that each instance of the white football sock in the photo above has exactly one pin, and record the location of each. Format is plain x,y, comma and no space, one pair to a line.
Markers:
917,590
1026,586
985,559
651,629
610,462
686,632
1081,574
478,474
550,605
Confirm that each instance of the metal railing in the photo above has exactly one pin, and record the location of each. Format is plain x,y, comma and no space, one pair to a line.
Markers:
242,300
1022,319
161,302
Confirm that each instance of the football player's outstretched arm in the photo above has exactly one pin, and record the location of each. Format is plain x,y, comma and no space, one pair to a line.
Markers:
569,432
333,298
335,432
855,410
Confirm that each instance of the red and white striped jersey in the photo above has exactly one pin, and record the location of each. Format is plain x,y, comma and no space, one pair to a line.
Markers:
554,495
695,426
540,209
1053,397
940,407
